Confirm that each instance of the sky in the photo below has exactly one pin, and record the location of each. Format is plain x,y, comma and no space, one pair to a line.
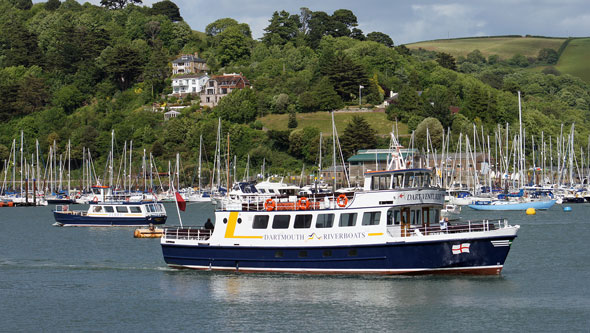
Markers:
409,21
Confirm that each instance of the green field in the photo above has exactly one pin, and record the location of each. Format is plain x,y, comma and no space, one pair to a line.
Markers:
323,121
504,47
574,59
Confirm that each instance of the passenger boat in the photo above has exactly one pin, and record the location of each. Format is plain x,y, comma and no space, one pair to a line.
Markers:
116,214
392,227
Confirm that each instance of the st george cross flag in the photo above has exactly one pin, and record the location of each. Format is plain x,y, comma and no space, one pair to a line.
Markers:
463,248
180,201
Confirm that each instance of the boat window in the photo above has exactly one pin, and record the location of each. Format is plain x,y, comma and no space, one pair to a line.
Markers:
97,209
281,221
324,221
384,182
260,222
374,183
122,209
352,253
415,217
398,180
135,209
393,216
109,209
434,215
371,218
302,254
327,253
302,221
409,180
347,220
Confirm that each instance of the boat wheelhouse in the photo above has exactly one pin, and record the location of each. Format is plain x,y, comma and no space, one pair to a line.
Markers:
116,214
392,227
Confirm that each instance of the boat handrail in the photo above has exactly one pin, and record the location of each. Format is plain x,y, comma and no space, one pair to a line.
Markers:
459,227
187,233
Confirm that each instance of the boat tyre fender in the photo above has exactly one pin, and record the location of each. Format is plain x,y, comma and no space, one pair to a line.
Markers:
270,204
303,204
342,200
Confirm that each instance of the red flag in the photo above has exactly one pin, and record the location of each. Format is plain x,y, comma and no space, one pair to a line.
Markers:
180,201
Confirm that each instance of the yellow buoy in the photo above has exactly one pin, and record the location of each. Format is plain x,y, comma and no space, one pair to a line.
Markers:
531,211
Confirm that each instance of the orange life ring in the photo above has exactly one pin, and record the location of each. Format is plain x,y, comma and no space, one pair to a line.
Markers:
95,199
127,199
303,204
270,204
342,200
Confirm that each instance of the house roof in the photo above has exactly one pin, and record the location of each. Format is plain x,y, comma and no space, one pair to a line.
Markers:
189,58
189,76
230,79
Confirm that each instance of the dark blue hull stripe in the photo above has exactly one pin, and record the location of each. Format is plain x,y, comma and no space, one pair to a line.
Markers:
77,220
433,255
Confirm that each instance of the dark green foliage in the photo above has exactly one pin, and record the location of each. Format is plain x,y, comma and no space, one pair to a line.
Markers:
408,103
380,37
292,120
118,4
322,97
446,60
167,8
238,107
358,134
435,133
279,139
548,56
551,70
122,64
22,4
52,5
345,75
304,143
283,28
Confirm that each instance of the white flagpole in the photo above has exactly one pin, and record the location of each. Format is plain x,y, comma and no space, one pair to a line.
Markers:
177,208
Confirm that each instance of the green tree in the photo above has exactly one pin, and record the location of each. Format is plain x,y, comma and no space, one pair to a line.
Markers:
283,28
446,60
342,21
118,4
408,104
476,57
292,119
548,56
438,102
358,134
68,98
346,76
122,64
435,131
380,37
52,5
167,8
239,106
233,46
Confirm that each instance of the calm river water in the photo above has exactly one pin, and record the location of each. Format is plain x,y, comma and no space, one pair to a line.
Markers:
102,279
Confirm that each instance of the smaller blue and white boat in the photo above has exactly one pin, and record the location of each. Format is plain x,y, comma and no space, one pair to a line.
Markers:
115,214
511,205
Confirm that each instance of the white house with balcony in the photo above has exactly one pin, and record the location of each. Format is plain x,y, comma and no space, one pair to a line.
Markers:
183,85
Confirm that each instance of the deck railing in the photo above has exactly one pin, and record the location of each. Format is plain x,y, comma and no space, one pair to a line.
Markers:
187,233
458,227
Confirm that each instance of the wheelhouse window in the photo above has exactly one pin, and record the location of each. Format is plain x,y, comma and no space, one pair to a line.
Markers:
109,209
135,209
97,209
260,222
393,216
122,209
347,220
380,182
371,218
302,221
281,221
324,221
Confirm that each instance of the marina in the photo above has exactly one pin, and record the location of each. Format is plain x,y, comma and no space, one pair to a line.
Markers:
542,286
